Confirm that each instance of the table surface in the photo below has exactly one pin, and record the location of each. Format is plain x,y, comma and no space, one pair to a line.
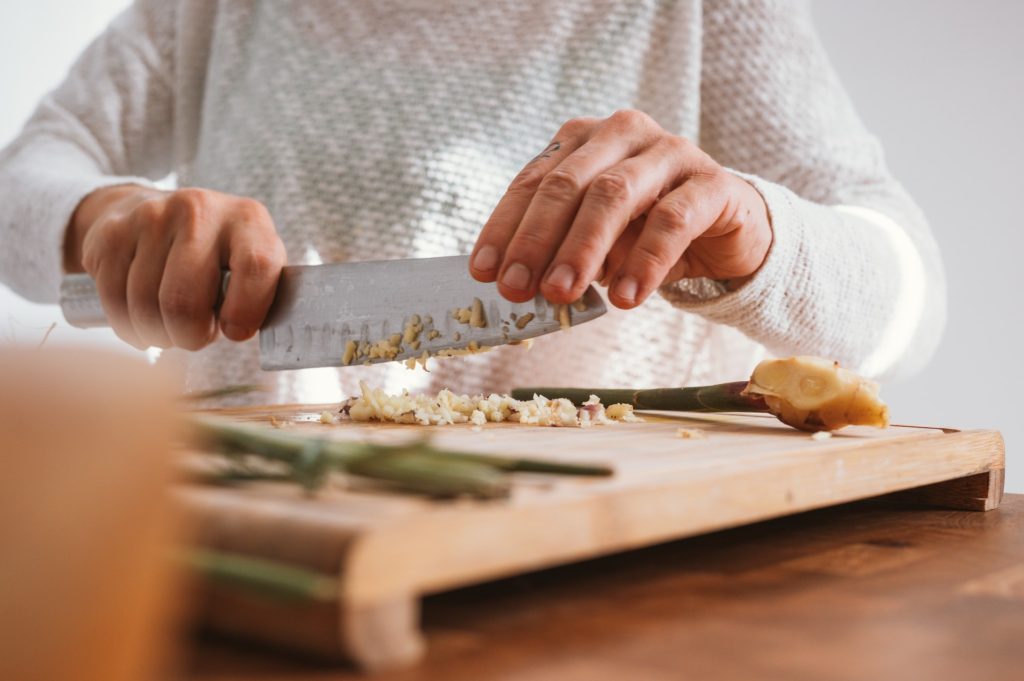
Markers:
870,590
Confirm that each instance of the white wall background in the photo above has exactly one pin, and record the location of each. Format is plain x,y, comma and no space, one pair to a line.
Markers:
938,80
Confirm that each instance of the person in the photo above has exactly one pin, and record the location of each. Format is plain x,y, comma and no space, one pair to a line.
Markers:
699,159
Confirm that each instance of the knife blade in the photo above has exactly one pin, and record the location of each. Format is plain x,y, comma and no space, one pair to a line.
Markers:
325,314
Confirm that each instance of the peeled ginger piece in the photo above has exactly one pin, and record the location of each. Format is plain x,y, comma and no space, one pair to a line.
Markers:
814,394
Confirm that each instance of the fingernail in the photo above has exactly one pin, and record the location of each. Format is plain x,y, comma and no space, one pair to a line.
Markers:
234,331
517,276
563,277
626,289
486,258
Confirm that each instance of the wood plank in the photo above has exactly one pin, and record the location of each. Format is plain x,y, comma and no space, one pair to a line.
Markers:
389,550
765,601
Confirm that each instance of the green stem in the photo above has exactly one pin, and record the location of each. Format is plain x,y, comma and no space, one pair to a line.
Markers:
265,577
416,467
709,398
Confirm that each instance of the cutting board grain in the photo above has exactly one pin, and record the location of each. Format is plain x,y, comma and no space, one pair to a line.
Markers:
389,550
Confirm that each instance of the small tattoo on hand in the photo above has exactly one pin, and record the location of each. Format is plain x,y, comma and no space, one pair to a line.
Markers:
551,149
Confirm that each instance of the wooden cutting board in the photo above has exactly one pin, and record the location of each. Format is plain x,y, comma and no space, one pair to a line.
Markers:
388,550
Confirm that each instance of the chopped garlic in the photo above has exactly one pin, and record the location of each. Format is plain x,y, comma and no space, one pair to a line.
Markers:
350,352
448,408
564,318
821,435
412,329
477,318
326,417
622,412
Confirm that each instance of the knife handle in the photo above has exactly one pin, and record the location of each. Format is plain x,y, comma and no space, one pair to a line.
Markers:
80,302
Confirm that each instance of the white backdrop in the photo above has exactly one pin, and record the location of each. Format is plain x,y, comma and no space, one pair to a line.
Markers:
938,80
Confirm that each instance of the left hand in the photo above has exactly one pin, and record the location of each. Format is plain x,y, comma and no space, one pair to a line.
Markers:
621,201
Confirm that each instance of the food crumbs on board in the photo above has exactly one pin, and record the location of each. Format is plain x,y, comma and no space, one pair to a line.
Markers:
326,417
821,435
691,433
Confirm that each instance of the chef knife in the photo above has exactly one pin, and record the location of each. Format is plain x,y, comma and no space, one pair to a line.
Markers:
324,314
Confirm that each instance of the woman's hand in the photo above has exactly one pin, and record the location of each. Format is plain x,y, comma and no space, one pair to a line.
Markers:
157,258
623,202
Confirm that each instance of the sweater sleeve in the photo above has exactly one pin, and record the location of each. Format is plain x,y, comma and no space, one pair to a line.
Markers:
108,123
853,272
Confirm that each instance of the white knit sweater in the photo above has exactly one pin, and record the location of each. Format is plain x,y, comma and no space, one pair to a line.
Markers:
379,129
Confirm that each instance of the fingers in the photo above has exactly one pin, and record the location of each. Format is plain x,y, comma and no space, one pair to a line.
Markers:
620,250
557,201
671,226
191,275
107,255
489,251
615,197
111,285
144,275
255,256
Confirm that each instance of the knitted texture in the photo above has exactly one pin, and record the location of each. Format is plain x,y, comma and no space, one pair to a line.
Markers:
390,129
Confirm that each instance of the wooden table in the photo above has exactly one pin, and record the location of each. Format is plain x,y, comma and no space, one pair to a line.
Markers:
869,590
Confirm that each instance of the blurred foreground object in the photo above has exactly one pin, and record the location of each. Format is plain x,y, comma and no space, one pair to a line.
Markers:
86,521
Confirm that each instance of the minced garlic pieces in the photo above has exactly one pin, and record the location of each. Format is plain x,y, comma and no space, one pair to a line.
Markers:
448,408
412,329
622,412
524,320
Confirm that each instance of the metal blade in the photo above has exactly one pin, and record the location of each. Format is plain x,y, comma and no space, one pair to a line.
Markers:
319,309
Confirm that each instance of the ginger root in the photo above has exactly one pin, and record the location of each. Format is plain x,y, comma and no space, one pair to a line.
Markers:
815,394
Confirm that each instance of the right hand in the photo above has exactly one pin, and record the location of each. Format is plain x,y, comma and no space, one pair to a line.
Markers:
157,258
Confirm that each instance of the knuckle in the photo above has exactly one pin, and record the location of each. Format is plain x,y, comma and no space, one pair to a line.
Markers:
527,181
256,262
252,211
671,215
527,245
561,184
148,212
576,127
679,145
178,303
647,258
189,203
612,187
630,118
